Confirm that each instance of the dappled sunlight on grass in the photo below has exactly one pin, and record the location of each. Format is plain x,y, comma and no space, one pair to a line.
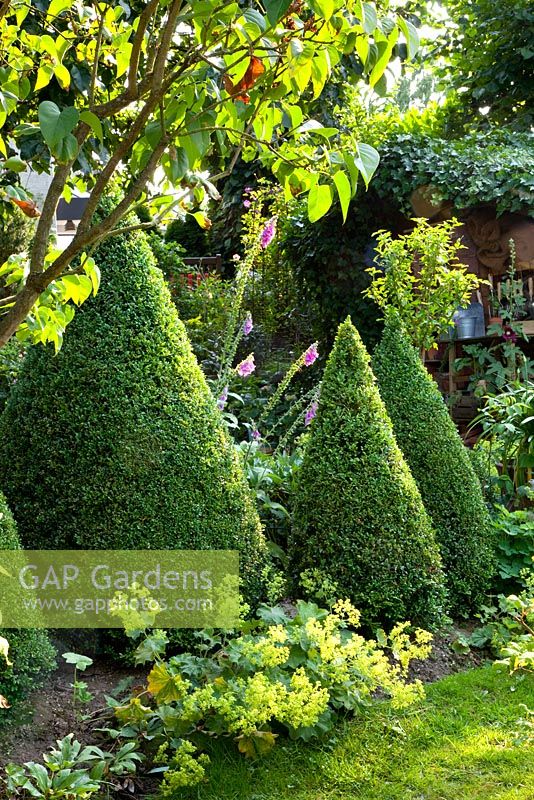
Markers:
464,742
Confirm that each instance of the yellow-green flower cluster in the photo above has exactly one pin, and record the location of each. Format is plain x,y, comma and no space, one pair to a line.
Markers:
267,650
305,702
288,671
184,769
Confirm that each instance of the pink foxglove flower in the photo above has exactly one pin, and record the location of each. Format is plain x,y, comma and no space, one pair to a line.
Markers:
310,413
247,325
247,203
268,233
246,367
311,354
221,402
256,435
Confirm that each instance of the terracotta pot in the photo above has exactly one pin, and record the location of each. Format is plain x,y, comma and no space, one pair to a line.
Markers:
495,321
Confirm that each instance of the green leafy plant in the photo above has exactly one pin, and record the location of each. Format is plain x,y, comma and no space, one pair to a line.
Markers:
292,672
419,275
507,422
494,366
80,694
440,465
31,655
512,629
487,167
328,260
73,772
126,405
487,57
272,478
271,292
515,543
358,515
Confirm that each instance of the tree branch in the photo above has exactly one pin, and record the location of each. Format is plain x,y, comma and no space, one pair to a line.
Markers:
94,70
144,20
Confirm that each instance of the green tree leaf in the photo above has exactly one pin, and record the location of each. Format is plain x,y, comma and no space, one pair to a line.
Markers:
411,36
344,192
94,123
368,16
366,160
276,9
319,201
15,164
66,149
385,50
56,124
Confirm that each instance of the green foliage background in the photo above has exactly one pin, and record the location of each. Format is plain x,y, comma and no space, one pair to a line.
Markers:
440,465
358,514
328,261
488,58
494,167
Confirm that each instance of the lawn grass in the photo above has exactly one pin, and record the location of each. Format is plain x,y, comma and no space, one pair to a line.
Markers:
464,742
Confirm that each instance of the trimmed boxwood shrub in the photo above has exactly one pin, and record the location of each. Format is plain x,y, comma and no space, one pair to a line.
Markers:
440,465
359,518
30,651
116,442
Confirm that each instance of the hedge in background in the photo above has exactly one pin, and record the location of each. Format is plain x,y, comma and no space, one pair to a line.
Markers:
30,651
440,465
116,442
359,518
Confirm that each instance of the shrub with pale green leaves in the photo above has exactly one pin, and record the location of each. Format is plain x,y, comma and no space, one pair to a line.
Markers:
358,515
291,671
441,466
